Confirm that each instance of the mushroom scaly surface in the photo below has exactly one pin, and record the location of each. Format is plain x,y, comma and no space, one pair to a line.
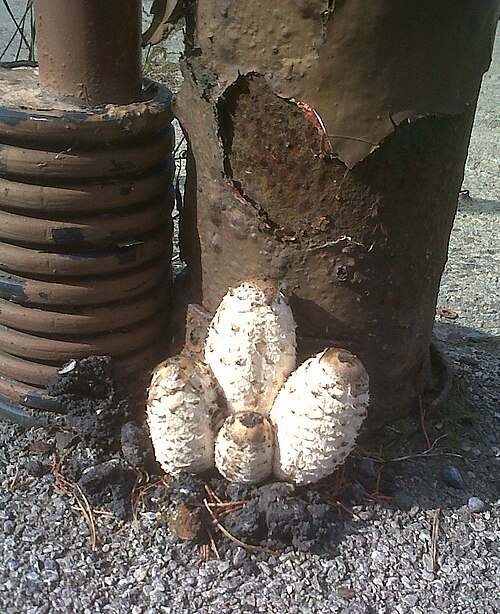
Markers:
251,345
317,416
181,412
244,448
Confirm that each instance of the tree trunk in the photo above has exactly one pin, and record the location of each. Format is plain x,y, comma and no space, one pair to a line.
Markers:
327,148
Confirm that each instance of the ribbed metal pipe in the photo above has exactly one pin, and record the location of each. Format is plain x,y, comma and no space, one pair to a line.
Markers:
85,235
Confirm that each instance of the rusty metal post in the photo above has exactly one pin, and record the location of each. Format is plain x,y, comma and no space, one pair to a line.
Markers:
90,50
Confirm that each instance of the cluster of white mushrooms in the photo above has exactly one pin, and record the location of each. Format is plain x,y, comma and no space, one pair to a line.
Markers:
247,409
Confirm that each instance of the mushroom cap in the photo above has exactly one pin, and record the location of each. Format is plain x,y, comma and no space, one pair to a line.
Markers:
346,368
251,345
317,416
244,448
181,411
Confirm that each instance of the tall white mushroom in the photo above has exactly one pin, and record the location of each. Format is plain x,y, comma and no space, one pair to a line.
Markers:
244,448
317,416
181,413
251,345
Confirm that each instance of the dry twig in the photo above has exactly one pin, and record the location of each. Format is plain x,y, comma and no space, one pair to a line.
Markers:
213,545
204,555
348,510
212,494
434,538
13,483
73,490
422,422
420,455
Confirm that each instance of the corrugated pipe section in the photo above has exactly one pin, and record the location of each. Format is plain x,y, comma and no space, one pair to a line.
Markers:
85,235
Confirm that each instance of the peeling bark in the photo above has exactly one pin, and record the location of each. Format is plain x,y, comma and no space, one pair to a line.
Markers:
358,232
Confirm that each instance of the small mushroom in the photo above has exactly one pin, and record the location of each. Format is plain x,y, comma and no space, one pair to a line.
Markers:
244,448
251,345
317,416
181,413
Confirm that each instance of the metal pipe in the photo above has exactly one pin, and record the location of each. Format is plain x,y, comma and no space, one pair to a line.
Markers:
90,50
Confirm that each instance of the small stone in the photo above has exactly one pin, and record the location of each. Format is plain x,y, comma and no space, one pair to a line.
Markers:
452,477
239,556
140,574
50,576
32,576
411,600
136,446
346,592
478,526
366,466
41,447
223,566
476,505
36,468
65,439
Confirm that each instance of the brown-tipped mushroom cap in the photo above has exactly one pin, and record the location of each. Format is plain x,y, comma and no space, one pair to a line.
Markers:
181,411
244,448
247,426
251,345
346,367
317,416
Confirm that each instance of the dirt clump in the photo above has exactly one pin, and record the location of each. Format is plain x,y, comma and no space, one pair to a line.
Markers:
108,486
103,448
273,516
95,408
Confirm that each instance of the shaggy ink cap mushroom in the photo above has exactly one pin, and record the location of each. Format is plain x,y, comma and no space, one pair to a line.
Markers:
182,407
251,345
317,416
244,448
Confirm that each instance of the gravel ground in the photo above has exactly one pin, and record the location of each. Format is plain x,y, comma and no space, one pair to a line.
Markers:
383,558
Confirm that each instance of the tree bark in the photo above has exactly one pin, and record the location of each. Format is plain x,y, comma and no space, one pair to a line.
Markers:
327,147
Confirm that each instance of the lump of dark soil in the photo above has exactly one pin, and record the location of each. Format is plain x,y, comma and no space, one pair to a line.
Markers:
86,388
273,515
187,489
278,518
247,524
37,468
108,486
78,461
136,445
238,492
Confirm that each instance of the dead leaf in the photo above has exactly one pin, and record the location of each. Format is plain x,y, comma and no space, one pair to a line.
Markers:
185,522
165,15
449,314
346,593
